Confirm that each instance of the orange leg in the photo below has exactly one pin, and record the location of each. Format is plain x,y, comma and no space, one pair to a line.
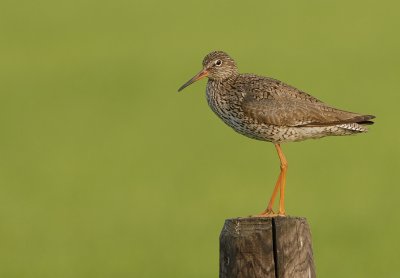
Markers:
284,166
280,183
269,210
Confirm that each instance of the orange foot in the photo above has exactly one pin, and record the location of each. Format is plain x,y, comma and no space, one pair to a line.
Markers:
266,213
270,213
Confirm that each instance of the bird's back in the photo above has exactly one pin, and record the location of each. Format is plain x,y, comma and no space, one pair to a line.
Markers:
262,87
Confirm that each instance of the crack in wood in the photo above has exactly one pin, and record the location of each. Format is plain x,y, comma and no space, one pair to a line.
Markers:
274,248
278,247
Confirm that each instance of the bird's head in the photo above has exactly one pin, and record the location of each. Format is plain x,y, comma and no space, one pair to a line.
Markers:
217,65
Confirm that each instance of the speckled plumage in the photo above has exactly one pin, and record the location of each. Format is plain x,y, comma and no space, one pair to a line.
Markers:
267,109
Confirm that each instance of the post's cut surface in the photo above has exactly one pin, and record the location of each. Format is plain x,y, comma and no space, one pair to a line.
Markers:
278,247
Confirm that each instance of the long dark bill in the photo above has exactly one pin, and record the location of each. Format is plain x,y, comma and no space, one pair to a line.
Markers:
195,78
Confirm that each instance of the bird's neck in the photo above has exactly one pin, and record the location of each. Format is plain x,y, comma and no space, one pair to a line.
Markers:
220,88
223,82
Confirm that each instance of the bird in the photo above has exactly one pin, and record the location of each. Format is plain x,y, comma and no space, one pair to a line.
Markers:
267,109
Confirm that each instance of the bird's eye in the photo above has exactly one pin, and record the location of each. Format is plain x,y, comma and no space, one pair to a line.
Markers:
218,63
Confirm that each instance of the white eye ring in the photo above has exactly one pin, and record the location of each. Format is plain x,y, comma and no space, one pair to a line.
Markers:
218,63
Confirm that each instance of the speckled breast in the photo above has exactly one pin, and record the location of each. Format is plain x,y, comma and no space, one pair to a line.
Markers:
227,106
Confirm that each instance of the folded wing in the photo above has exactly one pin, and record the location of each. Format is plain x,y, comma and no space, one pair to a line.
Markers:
298,112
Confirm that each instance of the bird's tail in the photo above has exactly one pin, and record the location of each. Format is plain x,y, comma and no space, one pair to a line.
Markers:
357,124
365,120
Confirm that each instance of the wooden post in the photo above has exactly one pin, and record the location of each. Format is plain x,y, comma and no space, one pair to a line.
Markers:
278,247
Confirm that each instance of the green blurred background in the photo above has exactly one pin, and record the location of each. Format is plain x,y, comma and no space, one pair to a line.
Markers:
106,171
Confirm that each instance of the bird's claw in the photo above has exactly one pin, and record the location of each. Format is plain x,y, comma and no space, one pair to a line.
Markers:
270,213
266,213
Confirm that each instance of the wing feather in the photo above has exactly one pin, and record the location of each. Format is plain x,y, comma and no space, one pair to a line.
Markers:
273,102
287,112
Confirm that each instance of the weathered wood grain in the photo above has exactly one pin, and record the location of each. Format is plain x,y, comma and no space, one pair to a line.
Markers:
266,247
293,248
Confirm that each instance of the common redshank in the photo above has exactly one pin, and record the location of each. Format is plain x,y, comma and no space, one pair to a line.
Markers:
267,109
